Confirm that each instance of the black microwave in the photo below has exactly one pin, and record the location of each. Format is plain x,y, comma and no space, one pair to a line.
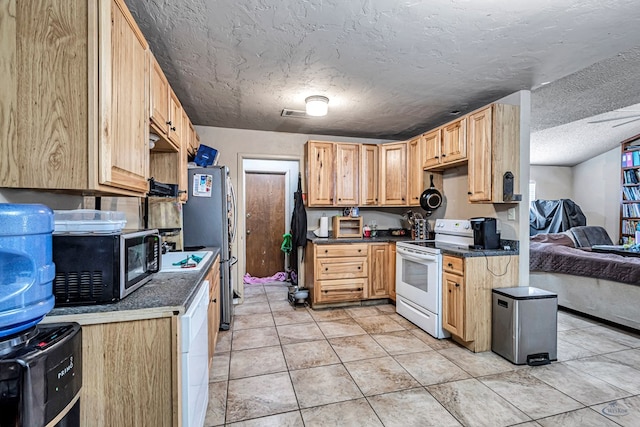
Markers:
101,268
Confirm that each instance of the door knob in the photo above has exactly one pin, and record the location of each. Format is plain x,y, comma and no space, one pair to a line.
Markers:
248,231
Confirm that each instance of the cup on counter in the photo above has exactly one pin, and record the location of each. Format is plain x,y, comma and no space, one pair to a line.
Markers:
366,231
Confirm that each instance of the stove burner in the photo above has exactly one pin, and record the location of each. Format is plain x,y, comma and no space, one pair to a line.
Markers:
13,342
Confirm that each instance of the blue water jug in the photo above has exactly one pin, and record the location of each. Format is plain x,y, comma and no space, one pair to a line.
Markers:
26,266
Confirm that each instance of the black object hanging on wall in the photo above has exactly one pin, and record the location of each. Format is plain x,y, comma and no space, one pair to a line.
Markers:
298,231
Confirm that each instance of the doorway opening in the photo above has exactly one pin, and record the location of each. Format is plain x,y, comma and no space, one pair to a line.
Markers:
267,205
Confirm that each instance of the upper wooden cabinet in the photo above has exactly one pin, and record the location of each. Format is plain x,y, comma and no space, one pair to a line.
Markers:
158,97
347,174
319,173
494,149
393,174
416,160
447,146
332,171
61,126
175,119
369,175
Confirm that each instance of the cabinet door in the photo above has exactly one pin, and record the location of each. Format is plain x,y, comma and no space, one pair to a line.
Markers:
175,119
393,174
158,97
183,174
480,156
454,141
214,306
453,304
124,135
392,271
320,173
347,174
379,274
416,159
369,175
433,148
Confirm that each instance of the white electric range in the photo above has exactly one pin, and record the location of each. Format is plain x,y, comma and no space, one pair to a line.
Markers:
419,274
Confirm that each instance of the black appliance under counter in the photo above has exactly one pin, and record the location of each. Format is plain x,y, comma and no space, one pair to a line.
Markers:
166,294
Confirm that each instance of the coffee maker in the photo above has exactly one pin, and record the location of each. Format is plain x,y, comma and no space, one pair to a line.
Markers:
485,235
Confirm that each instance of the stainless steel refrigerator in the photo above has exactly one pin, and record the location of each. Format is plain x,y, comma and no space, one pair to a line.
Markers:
209,220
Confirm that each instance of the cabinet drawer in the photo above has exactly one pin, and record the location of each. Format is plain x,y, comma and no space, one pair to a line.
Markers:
340,290
341,268
343,250
453,264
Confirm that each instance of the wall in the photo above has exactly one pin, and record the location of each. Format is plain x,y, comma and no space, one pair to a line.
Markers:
593,184
553,182
596,189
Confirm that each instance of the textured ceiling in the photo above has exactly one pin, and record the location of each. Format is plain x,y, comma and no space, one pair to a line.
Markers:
393,69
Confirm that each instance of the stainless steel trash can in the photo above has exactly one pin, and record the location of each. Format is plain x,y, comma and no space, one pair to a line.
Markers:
524,325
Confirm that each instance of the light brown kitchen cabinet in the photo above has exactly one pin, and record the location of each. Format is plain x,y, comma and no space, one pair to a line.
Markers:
379,273
170,166
213,276
453,296
319,173
369,175
159,100
80,119
133,361
446,146
332,171
347,179
336,273
175,119
416,159
466,296
393,174
494,149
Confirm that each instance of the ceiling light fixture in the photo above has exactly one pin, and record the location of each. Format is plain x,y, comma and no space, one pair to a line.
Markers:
317,105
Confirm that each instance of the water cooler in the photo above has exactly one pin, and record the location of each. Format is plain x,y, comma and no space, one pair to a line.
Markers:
40,364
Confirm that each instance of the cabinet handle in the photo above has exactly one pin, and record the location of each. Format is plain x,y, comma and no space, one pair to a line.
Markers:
436,157
457,285
359,268
359,289
359,250
326,291
173,128
403,199
339,200
169,122
326,251
449,265
469,192
326,269
214,300
444,155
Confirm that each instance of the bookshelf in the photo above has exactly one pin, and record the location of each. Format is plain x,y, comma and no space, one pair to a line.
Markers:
630,189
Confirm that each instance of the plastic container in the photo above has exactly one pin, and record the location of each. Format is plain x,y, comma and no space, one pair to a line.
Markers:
206,156
84,221
26,266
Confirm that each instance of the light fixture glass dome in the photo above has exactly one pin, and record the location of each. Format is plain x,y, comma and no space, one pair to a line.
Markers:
317,105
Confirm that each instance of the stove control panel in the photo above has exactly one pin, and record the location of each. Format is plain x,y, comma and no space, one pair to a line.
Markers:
459,227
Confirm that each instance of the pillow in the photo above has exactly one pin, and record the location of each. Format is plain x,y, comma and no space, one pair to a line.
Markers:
589,235
561,239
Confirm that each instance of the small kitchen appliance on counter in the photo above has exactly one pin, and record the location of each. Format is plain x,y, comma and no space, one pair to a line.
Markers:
485,235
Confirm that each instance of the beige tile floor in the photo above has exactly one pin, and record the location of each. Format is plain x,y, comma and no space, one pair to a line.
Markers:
367,366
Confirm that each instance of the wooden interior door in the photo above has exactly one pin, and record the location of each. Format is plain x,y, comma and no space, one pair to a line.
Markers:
265,222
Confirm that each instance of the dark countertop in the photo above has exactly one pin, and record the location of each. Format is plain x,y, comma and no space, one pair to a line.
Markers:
379,239
166,294
464,253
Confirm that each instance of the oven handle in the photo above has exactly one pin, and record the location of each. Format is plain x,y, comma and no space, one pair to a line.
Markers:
421,258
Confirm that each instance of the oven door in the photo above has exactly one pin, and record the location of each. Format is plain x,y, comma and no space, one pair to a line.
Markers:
140,254
418,278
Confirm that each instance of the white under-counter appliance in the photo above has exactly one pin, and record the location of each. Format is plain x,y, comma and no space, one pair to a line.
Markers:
194,349
419,274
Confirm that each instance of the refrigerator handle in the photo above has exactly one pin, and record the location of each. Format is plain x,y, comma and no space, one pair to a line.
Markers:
232,261
233,211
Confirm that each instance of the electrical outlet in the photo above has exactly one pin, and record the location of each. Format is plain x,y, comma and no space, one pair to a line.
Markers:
511,214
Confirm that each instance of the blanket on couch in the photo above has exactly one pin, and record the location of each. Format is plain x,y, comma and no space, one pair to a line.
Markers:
558,258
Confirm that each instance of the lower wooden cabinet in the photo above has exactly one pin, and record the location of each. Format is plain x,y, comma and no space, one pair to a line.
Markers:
348,272
132,364
392,271
379,274
466,296
214,306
